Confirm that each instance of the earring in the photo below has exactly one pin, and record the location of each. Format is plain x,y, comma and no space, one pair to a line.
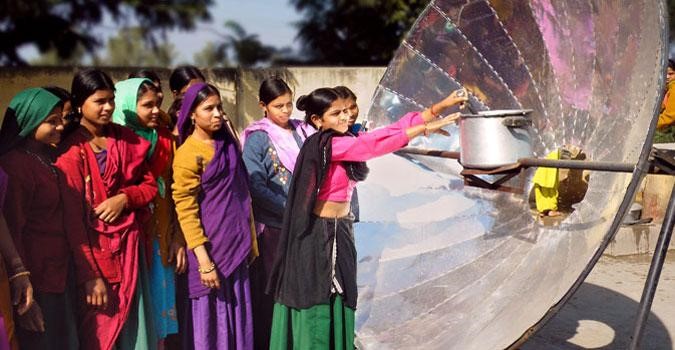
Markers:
193,121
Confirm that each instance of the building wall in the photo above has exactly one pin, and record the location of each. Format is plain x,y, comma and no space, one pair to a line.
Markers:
238,87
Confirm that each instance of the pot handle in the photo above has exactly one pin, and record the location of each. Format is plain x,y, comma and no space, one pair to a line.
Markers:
516,122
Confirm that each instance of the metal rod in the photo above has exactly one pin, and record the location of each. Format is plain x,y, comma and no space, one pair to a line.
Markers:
429,152
535,162
577,164
654,271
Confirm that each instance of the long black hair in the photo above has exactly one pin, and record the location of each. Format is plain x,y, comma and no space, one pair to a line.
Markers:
272,88
345,92
316,102
85,83
146,73
182,75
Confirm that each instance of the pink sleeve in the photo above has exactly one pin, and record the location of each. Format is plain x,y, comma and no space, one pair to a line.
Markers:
375,143
408,120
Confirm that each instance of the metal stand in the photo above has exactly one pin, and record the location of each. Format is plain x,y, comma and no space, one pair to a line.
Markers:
654,272
659,162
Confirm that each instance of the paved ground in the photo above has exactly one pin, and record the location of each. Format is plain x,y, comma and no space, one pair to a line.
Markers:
601,314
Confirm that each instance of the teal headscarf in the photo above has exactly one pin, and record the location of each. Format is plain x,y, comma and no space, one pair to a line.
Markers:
126,92
31,107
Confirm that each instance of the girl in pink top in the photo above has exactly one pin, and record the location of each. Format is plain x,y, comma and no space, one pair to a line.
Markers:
314,277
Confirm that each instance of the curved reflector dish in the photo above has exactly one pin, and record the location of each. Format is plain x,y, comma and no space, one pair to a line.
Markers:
443,265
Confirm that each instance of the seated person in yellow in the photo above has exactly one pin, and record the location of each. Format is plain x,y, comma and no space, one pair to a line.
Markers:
546,188
665,128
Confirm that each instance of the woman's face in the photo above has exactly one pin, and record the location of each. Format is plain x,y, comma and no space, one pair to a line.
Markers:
670,75
98,108
147,109
49,131
279,110
353,110
208,115
336,117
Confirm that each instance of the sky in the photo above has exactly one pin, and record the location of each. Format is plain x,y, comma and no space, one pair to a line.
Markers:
271,20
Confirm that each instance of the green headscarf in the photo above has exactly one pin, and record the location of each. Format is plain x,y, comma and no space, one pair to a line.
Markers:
126,92
31,107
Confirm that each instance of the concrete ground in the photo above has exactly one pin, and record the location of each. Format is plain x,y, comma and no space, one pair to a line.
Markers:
602,312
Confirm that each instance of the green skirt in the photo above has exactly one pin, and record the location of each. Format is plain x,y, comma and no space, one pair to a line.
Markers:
323,326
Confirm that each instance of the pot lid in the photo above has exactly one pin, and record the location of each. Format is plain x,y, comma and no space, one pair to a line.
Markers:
495,113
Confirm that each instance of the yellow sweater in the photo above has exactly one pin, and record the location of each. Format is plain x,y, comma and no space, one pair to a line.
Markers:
667,116
188,164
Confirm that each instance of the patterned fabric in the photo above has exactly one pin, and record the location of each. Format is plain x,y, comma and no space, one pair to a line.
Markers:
269,179
163,291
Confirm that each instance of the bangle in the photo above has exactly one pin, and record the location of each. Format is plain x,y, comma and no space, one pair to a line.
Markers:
208,269
19,274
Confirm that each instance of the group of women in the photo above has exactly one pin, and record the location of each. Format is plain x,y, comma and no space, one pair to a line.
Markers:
127,227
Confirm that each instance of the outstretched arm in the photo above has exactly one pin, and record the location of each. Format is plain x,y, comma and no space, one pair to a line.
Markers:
396,135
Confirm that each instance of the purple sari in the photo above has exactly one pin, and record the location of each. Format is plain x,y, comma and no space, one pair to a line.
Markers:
224,204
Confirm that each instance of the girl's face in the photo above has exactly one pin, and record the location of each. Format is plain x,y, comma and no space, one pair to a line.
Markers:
147,109
208,115
49,131
353,110
670,75
279,110
336,117
98,108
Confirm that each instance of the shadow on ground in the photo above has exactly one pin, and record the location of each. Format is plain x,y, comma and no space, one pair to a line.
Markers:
598,318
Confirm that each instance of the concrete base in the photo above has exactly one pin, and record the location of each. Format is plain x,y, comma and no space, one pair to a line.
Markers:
635,239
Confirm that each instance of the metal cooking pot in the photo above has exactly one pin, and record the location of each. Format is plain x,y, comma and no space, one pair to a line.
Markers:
490,139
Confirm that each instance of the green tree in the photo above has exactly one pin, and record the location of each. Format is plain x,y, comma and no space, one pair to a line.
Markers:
129,49
359,32
63,25
51,58
212,55
245,48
